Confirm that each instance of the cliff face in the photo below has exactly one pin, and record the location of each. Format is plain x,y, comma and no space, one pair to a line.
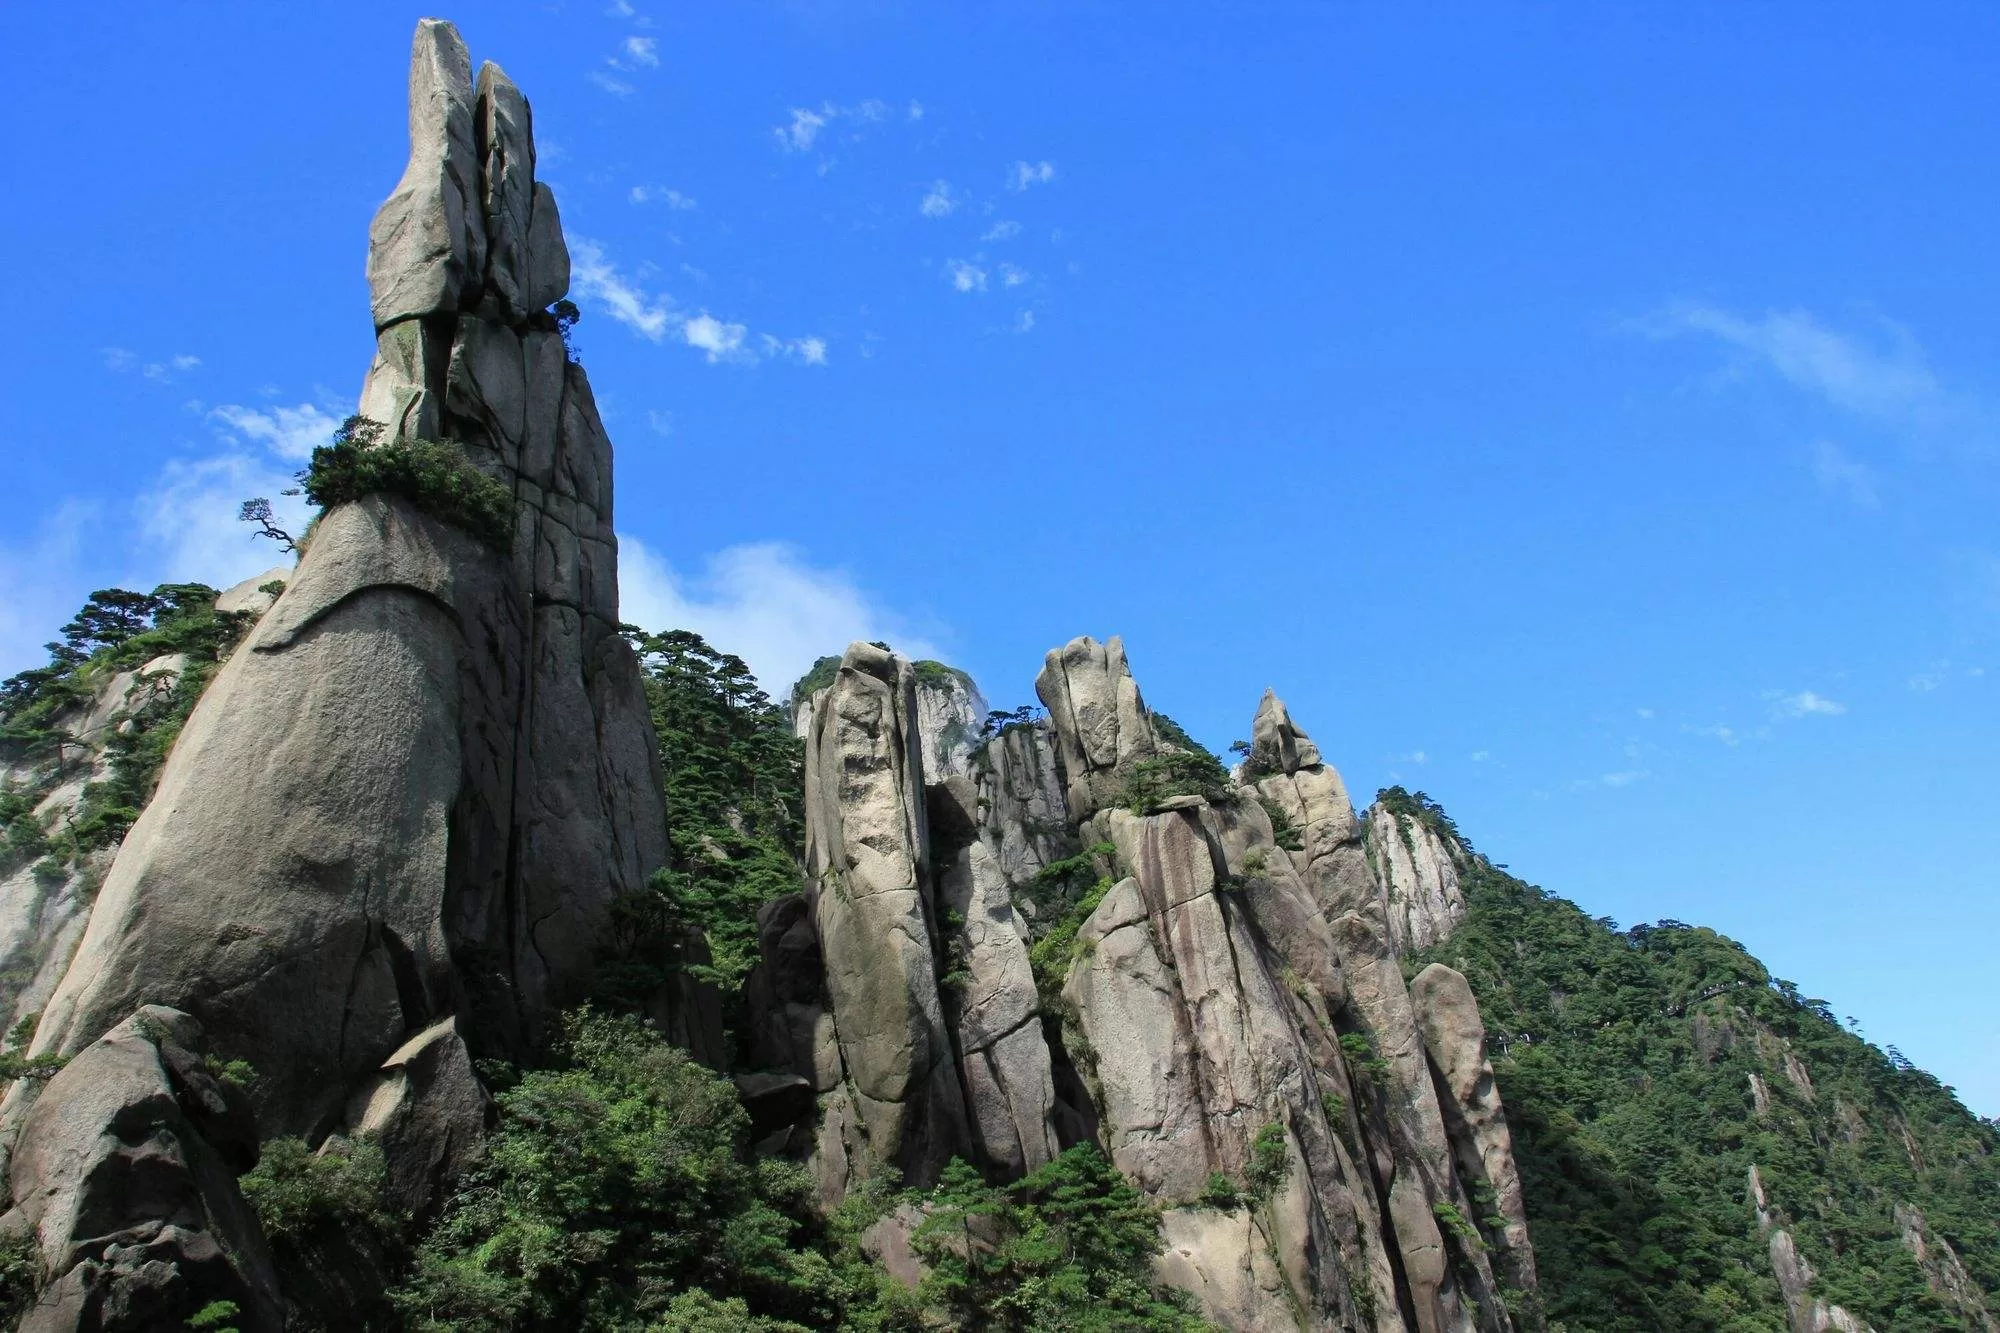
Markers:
386,838
1223,1010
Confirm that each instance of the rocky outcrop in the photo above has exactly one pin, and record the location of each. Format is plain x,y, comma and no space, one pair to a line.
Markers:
1805,1312
950,713
868,861
1416,873
387,836
1455,1041
126,1178
1233,1027
989,990
1100,722
1944,1274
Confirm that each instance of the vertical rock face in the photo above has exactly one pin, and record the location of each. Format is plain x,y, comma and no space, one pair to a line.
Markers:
1944,1274
950,710
1805,1312
1416,872
126,1178
1099,719
1232,1009
869,865
387,835
1455,1040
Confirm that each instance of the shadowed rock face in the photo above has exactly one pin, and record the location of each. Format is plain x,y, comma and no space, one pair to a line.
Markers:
126,1177
387,836
1205,1005
868,858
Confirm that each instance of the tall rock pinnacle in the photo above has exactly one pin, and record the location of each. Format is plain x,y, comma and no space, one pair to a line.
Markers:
387,837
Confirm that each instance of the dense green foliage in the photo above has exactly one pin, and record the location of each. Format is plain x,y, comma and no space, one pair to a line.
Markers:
617,1179
1183,768
117,630
1625,1060
1068,1247
433,475
818,676
735,817
1066,892
618,1194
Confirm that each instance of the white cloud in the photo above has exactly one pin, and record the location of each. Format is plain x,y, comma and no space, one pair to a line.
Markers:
289,432
1805,703
674,199
1887,383
616,87
938,201
1727,735
916,111
721,341
798,136
1413,757
1625,778
1025,174
1026,322
42,582
812,351
620,9
1013,275
874,109
642,51
1841,475
761,601
661,422
599,282
187,519
166,371
965,277
1481,756
1001,231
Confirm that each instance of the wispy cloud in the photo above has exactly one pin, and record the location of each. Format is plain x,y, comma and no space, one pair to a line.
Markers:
1024,174
1940,674
289,432
1891,381
1624,777
965,276
674,199
764,601
616,87
938,201
1013,275
1001,231
640,52
1841,475
598,281
657,316
803,132
718,340
1718,732
915,111
1804,703
163,371
1025,322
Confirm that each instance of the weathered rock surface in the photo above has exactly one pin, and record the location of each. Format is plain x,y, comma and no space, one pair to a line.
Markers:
1944,1274
1455,1040
990,989
1805,1312
1416,873
1100,721
126,1177
950,712
388,834
868,862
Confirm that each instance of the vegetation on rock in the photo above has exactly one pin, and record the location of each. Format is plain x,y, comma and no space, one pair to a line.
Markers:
433,475
1625,1060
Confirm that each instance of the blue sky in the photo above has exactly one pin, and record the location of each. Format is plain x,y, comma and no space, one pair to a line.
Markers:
1586,414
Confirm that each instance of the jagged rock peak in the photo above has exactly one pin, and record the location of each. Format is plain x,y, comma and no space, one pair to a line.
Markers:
1100,721
468,219
1277,745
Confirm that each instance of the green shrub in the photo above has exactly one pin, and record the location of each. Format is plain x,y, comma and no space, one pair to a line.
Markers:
299,1194
216,1315
20,1273
1361,1056
615,1182
1155,781
1283,831
1270,1163
1071,1246
433,475
1219,1191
